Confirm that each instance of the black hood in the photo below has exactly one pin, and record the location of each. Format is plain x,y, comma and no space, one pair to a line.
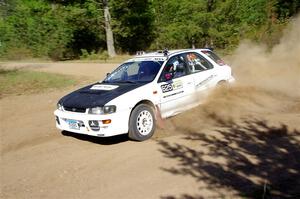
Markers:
88,98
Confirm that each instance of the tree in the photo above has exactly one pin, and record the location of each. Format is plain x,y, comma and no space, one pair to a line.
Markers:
180,24
132,24
109,34
61,29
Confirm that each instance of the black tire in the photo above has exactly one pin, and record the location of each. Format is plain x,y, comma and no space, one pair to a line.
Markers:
141,130
223,84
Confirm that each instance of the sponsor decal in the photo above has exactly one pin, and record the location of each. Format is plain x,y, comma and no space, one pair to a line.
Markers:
103,87
206,80
177,85
166,87
171,86
173,94
159,59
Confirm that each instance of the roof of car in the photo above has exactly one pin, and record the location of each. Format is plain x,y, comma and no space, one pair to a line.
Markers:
161,53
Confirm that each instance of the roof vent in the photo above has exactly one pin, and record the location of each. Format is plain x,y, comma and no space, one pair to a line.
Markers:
166,52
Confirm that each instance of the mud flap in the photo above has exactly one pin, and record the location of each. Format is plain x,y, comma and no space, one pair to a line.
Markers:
159,119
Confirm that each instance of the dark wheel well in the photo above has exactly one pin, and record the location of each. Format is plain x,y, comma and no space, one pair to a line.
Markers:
222,82
147,102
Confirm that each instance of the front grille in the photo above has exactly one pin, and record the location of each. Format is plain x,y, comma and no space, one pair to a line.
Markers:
78,110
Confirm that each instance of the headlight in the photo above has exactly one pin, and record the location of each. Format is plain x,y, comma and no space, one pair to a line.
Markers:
102,110
96,110
60,107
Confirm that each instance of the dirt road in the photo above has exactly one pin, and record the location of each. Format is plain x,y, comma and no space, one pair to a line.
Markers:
38,161
243,141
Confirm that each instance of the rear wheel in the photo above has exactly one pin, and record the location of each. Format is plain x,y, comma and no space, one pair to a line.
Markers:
223,84
142,123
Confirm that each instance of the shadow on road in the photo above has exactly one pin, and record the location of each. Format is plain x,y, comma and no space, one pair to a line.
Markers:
98,140
251,158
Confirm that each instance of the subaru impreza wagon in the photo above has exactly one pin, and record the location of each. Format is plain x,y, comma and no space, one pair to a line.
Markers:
132,97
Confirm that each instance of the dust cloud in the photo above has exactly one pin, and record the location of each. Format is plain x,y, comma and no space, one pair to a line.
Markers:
278,70
267,87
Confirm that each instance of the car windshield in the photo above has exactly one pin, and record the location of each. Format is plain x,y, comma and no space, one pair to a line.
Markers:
133,72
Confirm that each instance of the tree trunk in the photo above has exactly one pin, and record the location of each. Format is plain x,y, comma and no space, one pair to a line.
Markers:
109,34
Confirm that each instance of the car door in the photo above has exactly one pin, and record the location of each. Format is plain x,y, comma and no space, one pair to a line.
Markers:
176,86
203,72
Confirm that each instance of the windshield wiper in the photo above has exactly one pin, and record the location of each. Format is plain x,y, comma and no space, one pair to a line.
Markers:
127,81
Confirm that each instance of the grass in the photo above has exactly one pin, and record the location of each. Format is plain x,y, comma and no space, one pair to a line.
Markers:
18,82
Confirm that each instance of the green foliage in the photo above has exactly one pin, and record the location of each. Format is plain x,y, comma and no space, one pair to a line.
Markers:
176,26
18,53
132,24
53,30
61,29
220,24
85,55
17,82
88,26
104,55
285,9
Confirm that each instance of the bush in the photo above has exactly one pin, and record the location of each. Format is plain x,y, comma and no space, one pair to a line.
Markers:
17,53
85,55
57,54
104,55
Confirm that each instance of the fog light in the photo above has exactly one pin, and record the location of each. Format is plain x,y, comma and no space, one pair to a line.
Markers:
94,124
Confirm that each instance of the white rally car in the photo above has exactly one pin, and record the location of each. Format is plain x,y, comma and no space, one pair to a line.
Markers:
129,100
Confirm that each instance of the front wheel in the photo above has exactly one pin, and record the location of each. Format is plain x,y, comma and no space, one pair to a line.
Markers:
141,123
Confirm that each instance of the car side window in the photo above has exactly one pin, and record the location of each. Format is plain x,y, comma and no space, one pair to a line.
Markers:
197,63
176,67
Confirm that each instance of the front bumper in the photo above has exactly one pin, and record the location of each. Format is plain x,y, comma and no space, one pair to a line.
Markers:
117,126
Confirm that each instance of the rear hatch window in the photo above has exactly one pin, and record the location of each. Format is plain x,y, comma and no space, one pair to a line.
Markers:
214,57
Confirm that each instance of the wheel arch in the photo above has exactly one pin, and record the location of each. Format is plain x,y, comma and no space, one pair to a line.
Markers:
147,102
